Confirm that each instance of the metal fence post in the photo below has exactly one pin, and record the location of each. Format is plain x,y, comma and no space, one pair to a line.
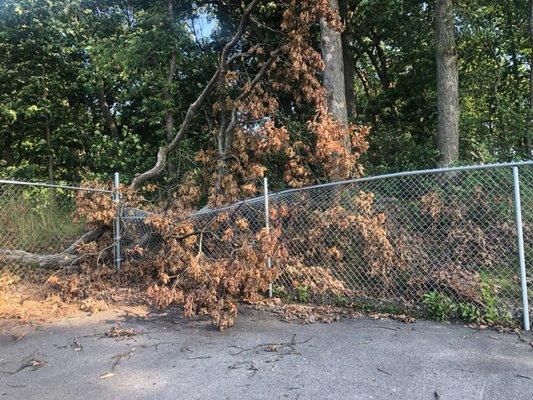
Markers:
267,226
116,230
520,238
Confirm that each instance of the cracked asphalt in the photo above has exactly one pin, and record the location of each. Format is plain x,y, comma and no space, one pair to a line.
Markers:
261,357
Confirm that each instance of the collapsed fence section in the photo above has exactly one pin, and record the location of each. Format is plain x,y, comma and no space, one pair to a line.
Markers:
445,240
40,224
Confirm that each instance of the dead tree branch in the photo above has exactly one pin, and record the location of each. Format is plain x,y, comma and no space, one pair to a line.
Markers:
226,129
193,108
66,258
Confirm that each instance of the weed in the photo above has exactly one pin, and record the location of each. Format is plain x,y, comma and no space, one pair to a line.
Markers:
303,294
440,307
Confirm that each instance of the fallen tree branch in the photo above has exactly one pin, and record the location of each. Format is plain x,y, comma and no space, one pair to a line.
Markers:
42,260
225,135
193,108
66,258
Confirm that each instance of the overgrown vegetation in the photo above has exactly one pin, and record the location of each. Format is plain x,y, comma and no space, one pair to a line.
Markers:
31,215
197,120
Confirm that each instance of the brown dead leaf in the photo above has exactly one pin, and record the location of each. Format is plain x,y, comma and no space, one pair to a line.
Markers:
116,332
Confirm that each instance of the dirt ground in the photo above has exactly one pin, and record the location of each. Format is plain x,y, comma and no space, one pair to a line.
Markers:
127,354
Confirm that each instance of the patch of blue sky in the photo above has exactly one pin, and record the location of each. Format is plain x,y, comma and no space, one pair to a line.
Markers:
202,26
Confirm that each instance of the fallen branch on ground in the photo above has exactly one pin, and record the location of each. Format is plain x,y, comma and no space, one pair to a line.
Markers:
66,258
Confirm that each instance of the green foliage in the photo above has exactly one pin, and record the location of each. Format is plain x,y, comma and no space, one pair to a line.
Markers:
468,312
303,294
38,220
393,48
441,307
491,313
58,57
279,291
342,300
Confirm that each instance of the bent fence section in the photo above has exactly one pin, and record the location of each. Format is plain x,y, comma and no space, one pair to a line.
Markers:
445,240
448,240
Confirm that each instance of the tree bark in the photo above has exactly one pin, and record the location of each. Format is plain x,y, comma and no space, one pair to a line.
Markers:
529,128
106,112
48,134
349,69
447,85
66,258
48,131
334,70
229,119
169,112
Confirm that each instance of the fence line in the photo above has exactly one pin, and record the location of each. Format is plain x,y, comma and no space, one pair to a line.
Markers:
455,241
520,239
440,239
38,224
117,231
53,186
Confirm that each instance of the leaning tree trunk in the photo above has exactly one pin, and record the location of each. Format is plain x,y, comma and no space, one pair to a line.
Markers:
447,85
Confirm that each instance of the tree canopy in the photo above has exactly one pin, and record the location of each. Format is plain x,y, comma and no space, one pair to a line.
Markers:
88,87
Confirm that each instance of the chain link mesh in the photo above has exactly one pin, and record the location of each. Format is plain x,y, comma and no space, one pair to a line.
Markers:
36,219
389,240
447,232
137,233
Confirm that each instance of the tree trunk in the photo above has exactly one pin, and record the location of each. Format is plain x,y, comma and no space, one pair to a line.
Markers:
67,258
48,134
529,128
334,70
106,112
349,69
51,173
110,122
447,85
511,29
169,112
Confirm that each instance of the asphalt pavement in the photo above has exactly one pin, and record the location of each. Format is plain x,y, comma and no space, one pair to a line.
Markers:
116,355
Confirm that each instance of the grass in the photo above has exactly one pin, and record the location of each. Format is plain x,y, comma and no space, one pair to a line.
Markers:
36,220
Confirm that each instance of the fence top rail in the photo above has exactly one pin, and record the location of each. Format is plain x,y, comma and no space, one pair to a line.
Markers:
372,178
416,172
50,185
273,195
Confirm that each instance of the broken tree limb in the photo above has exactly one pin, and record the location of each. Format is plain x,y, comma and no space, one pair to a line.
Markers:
66,258
42,260
193,108
226,129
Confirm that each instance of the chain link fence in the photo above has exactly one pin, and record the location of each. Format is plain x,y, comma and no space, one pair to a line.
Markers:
38,225
444,240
